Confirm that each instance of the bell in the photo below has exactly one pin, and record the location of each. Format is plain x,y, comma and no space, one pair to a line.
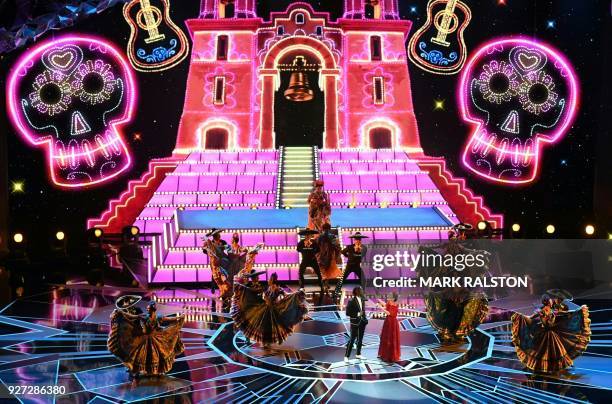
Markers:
299,89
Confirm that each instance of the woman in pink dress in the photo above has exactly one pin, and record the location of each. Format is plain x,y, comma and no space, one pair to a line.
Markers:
389,347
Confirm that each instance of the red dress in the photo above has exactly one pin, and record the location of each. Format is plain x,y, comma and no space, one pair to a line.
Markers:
389,348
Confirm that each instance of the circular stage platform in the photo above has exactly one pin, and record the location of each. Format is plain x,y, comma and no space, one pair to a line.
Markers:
59,338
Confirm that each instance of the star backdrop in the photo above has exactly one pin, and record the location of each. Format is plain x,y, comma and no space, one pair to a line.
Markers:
563,195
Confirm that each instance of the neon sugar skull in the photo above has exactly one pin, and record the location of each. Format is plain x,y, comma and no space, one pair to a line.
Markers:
69,96
522,96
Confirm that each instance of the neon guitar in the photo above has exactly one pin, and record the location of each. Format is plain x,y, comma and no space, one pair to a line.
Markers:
155,43
438,46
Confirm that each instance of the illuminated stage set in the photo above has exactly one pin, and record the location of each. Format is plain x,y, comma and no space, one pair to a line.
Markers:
240,165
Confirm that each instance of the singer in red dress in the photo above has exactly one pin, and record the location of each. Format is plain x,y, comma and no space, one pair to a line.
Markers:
389,348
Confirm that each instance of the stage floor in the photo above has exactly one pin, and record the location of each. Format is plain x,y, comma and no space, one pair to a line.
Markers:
59,338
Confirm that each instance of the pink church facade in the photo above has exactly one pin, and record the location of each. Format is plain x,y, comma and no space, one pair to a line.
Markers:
237,58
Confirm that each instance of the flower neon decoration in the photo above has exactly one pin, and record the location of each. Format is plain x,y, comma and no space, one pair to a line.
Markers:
521,95
70,96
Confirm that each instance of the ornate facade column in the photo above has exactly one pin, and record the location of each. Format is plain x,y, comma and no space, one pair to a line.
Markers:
266,124
331,138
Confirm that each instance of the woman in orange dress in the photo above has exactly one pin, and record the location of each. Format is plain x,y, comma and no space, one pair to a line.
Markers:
389,349
319,207
329,255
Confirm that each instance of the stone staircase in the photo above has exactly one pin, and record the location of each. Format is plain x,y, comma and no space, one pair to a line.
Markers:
296,177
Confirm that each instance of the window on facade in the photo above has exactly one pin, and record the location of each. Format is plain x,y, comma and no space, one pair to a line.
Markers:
219,91
222,43
216,139
280,30
375,48
381,138
319,31
299,18
369,11
378,90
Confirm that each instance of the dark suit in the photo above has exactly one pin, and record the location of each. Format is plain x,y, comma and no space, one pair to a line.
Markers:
358,324
309,259
353,265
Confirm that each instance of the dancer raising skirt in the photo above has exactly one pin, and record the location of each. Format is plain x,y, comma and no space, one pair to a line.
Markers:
142,342
217,259
549,340
267,319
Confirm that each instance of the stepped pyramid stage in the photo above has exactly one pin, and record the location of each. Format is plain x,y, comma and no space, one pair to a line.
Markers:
229,171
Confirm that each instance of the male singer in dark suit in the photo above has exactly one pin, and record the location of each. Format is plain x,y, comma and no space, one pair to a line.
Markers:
355,309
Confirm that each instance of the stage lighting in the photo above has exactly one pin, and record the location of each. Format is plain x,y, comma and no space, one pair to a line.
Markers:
550,229
482,225
134,231
516,227
589,229
98,233
60,235
18,238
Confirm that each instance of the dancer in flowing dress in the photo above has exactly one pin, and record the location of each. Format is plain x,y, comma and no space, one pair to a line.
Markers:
329,257
319,207
267,319
389,349
215,248
146,344
454,312
236,255
550,340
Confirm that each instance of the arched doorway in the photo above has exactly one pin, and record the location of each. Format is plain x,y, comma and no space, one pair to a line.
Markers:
216,139
299,123
327,79
380,138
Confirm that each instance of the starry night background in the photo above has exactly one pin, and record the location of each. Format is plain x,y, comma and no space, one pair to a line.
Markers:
564,194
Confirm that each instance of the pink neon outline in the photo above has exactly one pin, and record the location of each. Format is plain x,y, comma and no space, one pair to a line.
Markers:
27,134
541,141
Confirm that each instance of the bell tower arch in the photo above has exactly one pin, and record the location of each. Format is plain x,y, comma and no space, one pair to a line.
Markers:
328,82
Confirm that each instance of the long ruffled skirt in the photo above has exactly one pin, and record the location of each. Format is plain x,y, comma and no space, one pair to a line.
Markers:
551,349
267,323
455,318
145,353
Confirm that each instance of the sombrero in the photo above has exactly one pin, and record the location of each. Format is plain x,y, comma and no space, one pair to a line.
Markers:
306,232
255,249
127,301
560,293
358,236
253,274
318,183
213,231
463,227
